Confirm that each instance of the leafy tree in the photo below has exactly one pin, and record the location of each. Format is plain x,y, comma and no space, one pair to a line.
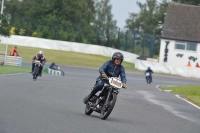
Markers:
52,16
4,26
104,24
146,22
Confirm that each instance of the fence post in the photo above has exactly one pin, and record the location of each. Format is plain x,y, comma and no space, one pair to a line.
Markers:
118,39
133,42
151,49
108,37
126,40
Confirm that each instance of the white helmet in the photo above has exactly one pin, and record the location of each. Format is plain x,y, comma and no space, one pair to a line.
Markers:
40,52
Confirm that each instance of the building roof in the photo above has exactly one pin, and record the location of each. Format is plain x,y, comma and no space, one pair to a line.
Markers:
182,22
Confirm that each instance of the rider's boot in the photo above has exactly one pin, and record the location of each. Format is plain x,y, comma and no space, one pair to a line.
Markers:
88,97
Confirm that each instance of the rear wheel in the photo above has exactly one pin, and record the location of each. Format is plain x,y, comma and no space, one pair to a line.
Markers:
88,110
107,108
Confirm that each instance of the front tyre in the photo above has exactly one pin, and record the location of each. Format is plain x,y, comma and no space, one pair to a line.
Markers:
88,110
107,109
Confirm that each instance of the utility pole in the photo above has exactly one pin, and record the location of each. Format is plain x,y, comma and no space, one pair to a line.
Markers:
2,5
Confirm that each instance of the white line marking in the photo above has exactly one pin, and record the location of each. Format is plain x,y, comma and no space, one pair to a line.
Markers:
158,87
10,74
150,97
188,101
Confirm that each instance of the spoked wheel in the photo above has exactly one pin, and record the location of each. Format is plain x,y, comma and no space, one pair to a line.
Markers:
88,110
107,108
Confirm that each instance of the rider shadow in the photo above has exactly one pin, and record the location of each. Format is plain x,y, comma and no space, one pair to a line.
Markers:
109,119
118,120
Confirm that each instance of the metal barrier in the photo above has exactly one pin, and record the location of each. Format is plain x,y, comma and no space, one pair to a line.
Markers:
10,60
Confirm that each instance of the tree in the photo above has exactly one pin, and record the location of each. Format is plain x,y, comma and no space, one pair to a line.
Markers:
4,26
104,24
146,22
52,18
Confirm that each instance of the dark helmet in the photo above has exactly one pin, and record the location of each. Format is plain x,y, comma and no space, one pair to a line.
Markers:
118,55
53,63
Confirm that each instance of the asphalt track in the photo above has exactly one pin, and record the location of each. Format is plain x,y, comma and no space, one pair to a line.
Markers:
54,105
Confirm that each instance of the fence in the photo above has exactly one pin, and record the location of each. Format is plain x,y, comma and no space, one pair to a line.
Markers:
10,60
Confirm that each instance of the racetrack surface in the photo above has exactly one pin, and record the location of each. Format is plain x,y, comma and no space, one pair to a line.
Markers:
54,104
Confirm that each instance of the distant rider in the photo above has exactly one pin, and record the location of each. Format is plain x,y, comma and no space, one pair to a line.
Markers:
111,68
42,60
150,73
53,66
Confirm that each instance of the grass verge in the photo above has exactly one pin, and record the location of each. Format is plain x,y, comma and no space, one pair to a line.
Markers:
191,93
13,69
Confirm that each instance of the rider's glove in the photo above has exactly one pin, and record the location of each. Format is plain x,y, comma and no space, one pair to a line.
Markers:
124,85
104,75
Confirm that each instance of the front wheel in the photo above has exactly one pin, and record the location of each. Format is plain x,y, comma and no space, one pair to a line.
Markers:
35,73
34,77
107,108
149,80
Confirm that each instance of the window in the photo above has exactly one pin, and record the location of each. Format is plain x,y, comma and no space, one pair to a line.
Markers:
180,45
189,46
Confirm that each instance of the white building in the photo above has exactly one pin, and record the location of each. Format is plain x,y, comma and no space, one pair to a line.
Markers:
181,30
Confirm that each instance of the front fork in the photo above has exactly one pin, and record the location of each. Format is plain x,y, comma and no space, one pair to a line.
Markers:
107,99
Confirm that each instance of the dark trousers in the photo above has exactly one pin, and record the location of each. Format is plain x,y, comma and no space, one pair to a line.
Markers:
40,68
97,87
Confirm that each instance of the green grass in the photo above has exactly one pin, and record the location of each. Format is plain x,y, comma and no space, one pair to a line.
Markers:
13,69
191,93
66,57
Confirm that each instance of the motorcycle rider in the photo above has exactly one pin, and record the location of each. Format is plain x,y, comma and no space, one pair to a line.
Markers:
111,68
42,60
53,66
150,73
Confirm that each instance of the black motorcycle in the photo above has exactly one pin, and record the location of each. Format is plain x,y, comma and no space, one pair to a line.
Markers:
148,78
36,70
105,100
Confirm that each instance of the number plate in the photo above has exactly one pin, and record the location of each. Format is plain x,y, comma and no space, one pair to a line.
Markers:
37,62
115,82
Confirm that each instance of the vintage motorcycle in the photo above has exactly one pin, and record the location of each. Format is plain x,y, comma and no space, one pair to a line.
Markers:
148,78
104,101
36,69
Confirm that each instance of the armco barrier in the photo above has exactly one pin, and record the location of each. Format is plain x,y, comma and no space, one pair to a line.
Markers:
11,60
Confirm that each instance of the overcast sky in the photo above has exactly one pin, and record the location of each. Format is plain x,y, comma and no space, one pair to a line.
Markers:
122,8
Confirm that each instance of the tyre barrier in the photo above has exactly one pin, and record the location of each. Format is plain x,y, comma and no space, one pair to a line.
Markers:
54,72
